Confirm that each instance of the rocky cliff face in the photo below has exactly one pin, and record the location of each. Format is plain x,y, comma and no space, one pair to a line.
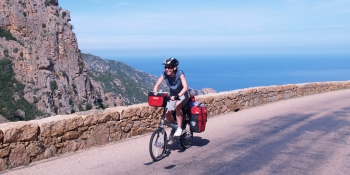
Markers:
37,37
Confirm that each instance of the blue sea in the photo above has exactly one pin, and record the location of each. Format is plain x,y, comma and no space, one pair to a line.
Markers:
232,72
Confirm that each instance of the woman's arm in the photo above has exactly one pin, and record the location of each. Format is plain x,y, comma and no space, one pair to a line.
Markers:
184,85
160,80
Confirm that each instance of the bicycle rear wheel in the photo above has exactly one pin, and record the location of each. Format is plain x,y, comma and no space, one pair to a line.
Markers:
186,138
157,144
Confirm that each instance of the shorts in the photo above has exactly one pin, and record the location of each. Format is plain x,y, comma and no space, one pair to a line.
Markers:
171,104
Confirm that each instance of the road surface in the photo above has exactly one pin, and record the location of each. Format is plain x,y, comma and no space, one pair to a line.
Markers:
307,135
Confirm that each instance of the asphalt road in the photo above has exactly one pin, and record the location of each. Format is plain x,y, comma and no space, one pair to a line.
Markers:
307,135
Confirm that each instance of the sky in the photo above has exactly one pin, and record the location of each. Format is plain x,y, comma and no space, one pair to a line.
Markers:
131,28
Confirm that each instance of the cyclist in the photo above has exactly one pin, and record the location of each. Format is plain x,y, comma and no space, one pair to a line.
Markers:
176,81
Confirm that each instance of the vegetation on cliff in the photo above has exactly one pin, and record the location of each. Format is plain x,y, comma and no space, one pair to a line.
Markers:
6,34
120,79
13,106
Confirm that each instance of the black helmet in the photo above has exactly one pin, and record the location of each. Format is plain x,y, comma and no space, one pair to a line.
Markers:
171,61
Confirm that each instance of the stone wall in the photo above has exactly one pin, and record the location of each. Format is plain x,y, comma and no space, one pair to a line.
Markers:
25,142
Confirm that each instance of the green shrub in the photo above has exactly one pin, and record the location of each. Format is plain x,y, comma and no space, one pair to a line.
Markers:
50,2
64,14
88,106
20,43
75,89
80,107
6,53
53,85
43,25
11,88
6,34
15,50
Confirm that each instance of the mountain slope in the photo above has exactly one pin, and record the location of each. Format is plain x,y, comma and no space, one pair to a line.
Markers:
118,80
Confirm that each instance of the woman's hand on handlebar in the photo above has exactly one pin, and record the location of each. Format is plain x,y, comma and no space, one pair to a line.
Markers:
176,97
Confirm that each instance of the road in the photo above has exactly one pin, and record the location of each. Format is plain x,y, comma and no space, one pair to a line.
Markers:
306,135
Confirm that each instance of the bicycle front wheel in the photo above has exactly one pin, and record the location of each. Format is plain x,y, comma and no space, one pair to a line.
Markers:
157,144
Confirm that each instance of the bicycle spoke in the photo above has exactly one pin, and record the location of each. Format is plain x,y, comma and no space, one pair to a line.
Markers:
157,144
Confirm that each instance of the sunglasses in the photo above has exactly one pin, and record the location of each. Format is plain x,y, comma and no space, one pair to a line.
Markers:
168,67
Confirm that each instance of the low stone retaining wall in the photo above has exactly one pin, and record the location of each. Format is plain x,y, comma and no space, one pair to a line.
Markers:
25,142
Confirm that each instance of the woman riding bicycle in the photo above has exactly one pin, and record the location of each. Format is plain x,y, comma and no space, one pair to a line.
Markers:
176,81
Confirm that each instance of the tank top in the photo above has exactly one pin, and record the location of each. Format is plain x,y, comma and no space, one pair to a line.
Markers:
174,83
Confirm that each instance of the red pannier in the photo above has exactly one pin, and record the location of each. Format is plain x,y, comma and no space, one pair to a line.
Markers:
157,99
198,118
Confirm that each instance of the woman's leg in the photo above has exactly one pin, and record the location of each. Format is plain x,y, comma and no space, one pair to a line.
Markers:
179,118
179,114
168,117
170,107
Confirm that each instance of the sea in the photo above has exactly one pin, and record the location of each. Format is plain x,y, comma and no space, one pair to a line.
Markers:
233,72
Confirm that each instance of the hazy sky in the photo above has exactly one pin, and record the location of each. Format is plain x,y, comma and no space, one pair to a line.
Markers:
183,27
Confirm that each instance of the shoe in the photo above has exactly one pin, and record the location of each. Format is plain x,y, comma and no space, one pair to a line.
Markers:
178,132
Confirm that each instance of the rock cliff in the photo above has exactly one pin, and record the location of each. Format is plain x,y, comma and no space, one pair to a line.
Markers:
38,39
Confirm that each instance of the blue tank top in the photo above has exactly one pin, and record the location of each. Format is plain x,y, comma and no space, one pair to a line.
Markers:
174,83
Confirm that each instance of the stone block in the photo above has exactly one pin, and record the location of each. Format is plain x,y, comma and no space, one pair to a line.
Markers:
34,149
100,118
1,137
145,111
70,135
19,131
207,100
131,111
98,136
222,96
3,164
138,131
19,156
232,95
116,136
59,124
4,152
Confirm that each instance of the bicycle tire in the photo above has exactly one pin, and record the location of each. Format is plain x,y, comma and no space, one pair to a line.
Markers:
186,138
157,144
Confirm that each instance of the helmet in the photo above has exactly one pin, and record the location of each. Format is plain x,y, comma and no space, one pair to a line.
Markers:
171,61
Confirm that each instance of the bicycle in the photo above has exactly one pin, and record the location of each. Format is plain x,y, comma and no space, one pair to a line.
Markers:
158,141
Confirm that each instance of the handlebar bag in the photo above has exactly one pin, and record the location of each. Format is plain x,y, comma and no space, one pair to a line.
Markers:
157,99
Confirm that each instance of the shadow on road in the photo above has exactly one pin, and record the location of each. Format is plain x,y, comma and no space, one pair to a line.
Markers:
291,137
198,141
